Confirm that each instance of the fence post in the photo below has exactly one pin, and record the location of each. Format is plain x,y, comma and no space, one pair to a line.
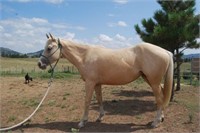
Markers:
72,69
191,73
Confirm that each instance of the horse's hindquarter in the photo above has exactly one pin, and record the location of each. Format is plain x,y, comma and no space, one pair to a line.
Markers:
113,67
153,60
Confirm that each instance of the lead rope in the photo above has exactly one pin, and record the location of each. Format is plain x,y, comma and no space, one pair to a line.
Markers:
19,124
45,95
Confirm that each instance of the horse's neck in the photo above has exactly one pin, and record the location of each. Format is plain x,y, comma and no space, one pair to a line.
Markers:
74,52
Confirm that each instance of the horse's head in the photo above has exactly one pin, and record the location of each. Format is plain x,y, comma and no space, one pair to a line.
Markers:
51,53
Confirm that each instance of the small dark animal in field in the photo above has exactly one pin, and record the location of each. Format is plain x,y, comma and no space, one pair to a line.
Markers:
27,78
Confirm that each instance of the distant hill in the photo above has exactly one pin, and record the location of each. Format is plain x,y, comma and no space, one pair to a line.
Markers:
191,56
6,52
35,54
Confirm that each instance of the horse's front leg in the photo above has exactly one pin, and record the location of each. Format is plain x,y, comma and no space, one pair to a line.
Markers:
89,89
98,92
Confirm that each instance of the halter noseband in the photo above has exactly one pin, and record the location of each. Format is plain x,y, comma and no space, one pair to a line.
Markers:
51,70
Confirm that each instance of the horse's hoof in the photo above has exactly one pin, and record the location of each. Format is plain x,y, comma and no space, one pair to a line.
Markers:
99,120
162,119
82,124
154,124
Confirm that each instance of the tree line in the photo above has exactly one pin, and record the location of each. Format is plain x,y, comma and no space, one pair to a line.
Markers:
3,54
14,55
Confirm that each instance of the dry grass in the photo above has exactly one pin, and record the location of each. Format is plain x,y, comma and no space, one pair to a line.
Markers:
128,108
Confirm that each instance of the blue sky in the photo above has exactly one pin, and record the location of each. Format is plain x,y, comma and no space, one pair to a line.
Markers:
109,23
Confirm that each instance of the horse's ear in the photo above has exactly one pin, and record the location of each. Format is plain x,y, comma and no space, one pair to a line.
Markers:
47,36
59,43
58,40
51,36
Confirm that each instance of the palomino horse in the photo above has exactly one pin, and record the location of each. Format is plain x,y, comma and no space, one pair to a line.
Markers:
99,65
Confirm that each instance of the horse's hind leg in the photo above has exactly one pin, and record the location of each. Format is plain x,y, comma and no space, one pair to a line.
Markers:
158,93
98,92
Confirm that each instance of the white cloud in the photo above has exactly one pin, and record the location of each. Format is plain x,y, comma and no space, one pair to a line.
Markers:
119,23
23,1
67,26
39,20
111,24
79,28
121,1
120,37
1,28
59,26
28,34
69,36
54,1
115,42
198,40
104,38
111,15
47,1
7,35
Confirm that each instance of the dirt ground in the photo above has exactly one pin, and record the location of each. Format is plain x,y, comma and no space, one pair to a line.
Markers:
129,108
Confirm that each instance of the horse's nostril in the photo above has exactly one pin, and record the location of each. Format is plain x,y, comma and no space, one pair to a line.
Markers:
39,64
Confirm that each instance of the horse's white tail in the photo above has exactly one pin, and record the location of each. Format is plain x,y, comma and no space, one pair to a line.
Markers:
168,82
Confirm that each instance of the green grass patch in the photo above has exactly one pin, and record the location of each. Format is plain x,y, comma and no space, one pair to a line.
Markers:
194,82
52,103
74,130
33,102
191,102
11,118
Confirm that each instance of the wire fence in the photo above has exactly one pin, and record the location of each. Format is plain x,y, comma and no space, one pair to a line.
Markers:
36,72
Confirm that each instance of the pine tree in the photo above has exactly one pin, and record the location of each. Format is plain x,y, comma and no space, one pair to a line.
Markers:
175,28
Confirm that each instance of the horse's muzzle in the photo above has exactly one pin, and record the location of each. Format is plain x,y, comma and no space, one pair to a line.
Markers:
42,66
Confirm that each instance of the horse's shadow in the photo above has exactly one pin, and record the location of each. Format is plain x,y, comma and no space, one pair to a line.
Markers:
90,127
133,93
132,106
129,107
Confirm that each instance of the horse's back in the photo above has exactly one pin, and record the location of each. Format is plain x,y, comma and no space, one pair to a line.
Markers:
150,47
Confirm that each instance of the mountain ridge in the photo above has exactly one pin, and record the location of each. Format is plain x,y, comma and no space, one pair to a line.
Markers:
6,52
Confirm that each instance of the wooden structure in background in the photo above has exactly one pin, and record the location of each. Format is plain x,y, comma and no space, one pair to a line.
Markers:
195,68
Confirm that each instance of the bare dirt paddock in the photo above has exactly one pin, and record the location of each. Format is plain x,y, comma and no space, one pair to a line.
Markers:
129,108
